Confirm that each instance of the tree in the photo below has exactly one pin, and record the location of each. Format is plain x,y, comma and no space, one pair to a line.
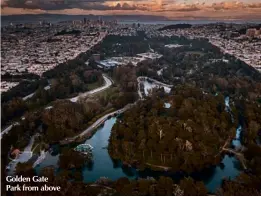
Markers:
191,187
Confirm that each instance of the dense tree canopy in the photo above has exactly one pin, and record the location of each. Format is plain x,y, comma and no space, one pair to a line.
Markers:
187,136
248,182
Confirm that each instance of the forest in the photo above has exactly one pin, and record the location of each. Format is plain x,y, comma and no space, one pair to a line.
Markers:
177,26
60,88
64,118
114,45
123,46
65,32
186,137
249,181
23,76
201,64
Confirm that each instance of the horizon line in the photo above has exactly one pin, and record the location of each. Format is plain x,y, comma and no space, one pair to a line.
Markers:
143,15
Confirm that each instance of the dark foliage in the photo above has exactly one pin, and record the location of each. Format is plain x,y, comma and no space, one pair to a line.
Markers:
177,26
186,137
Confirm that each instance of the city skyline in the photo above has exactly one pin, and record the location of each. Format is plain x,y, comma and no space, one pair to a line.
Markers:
179,9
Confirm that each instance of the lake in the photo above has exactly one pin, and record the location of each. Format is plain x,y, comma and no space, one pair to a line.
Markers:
104,166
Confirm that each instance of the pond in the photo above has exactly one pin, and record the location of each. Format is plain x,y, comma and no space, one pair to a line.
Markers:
103,165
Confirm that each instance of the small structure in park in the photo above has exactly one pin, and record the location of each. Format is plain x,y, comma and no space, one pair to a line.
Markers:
84,148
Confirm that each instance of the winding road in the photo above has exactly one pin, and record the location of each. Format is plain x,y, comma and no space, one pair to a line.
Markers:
31,95
96,124
7,129
108,83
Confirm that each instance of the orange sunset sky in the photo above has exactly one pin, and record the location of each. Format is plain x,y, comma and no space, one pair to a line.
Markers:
172,9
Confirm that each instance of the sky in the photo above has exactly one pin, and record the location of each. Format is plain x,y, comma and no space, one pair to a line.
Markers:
172,9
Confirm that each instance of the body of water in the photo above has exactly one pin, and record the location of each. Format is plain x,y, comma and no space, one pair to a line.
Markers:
104,166
237,142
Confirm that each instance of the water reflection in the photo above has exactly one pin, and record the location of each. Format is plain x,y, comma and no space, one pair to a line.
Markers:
116,163
104,166
230,169
50,160
89,166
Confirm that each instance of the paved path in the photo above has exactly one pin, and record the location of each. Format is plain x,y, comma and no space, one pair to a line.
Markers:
31,95
108,83
7,129
96,124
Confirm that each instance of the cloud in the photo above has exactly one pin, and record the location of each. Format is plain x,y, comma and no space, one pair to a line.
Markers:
175,7
69,4
169,8
227,5
20,11
254,5
234,5
189,8
159,5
